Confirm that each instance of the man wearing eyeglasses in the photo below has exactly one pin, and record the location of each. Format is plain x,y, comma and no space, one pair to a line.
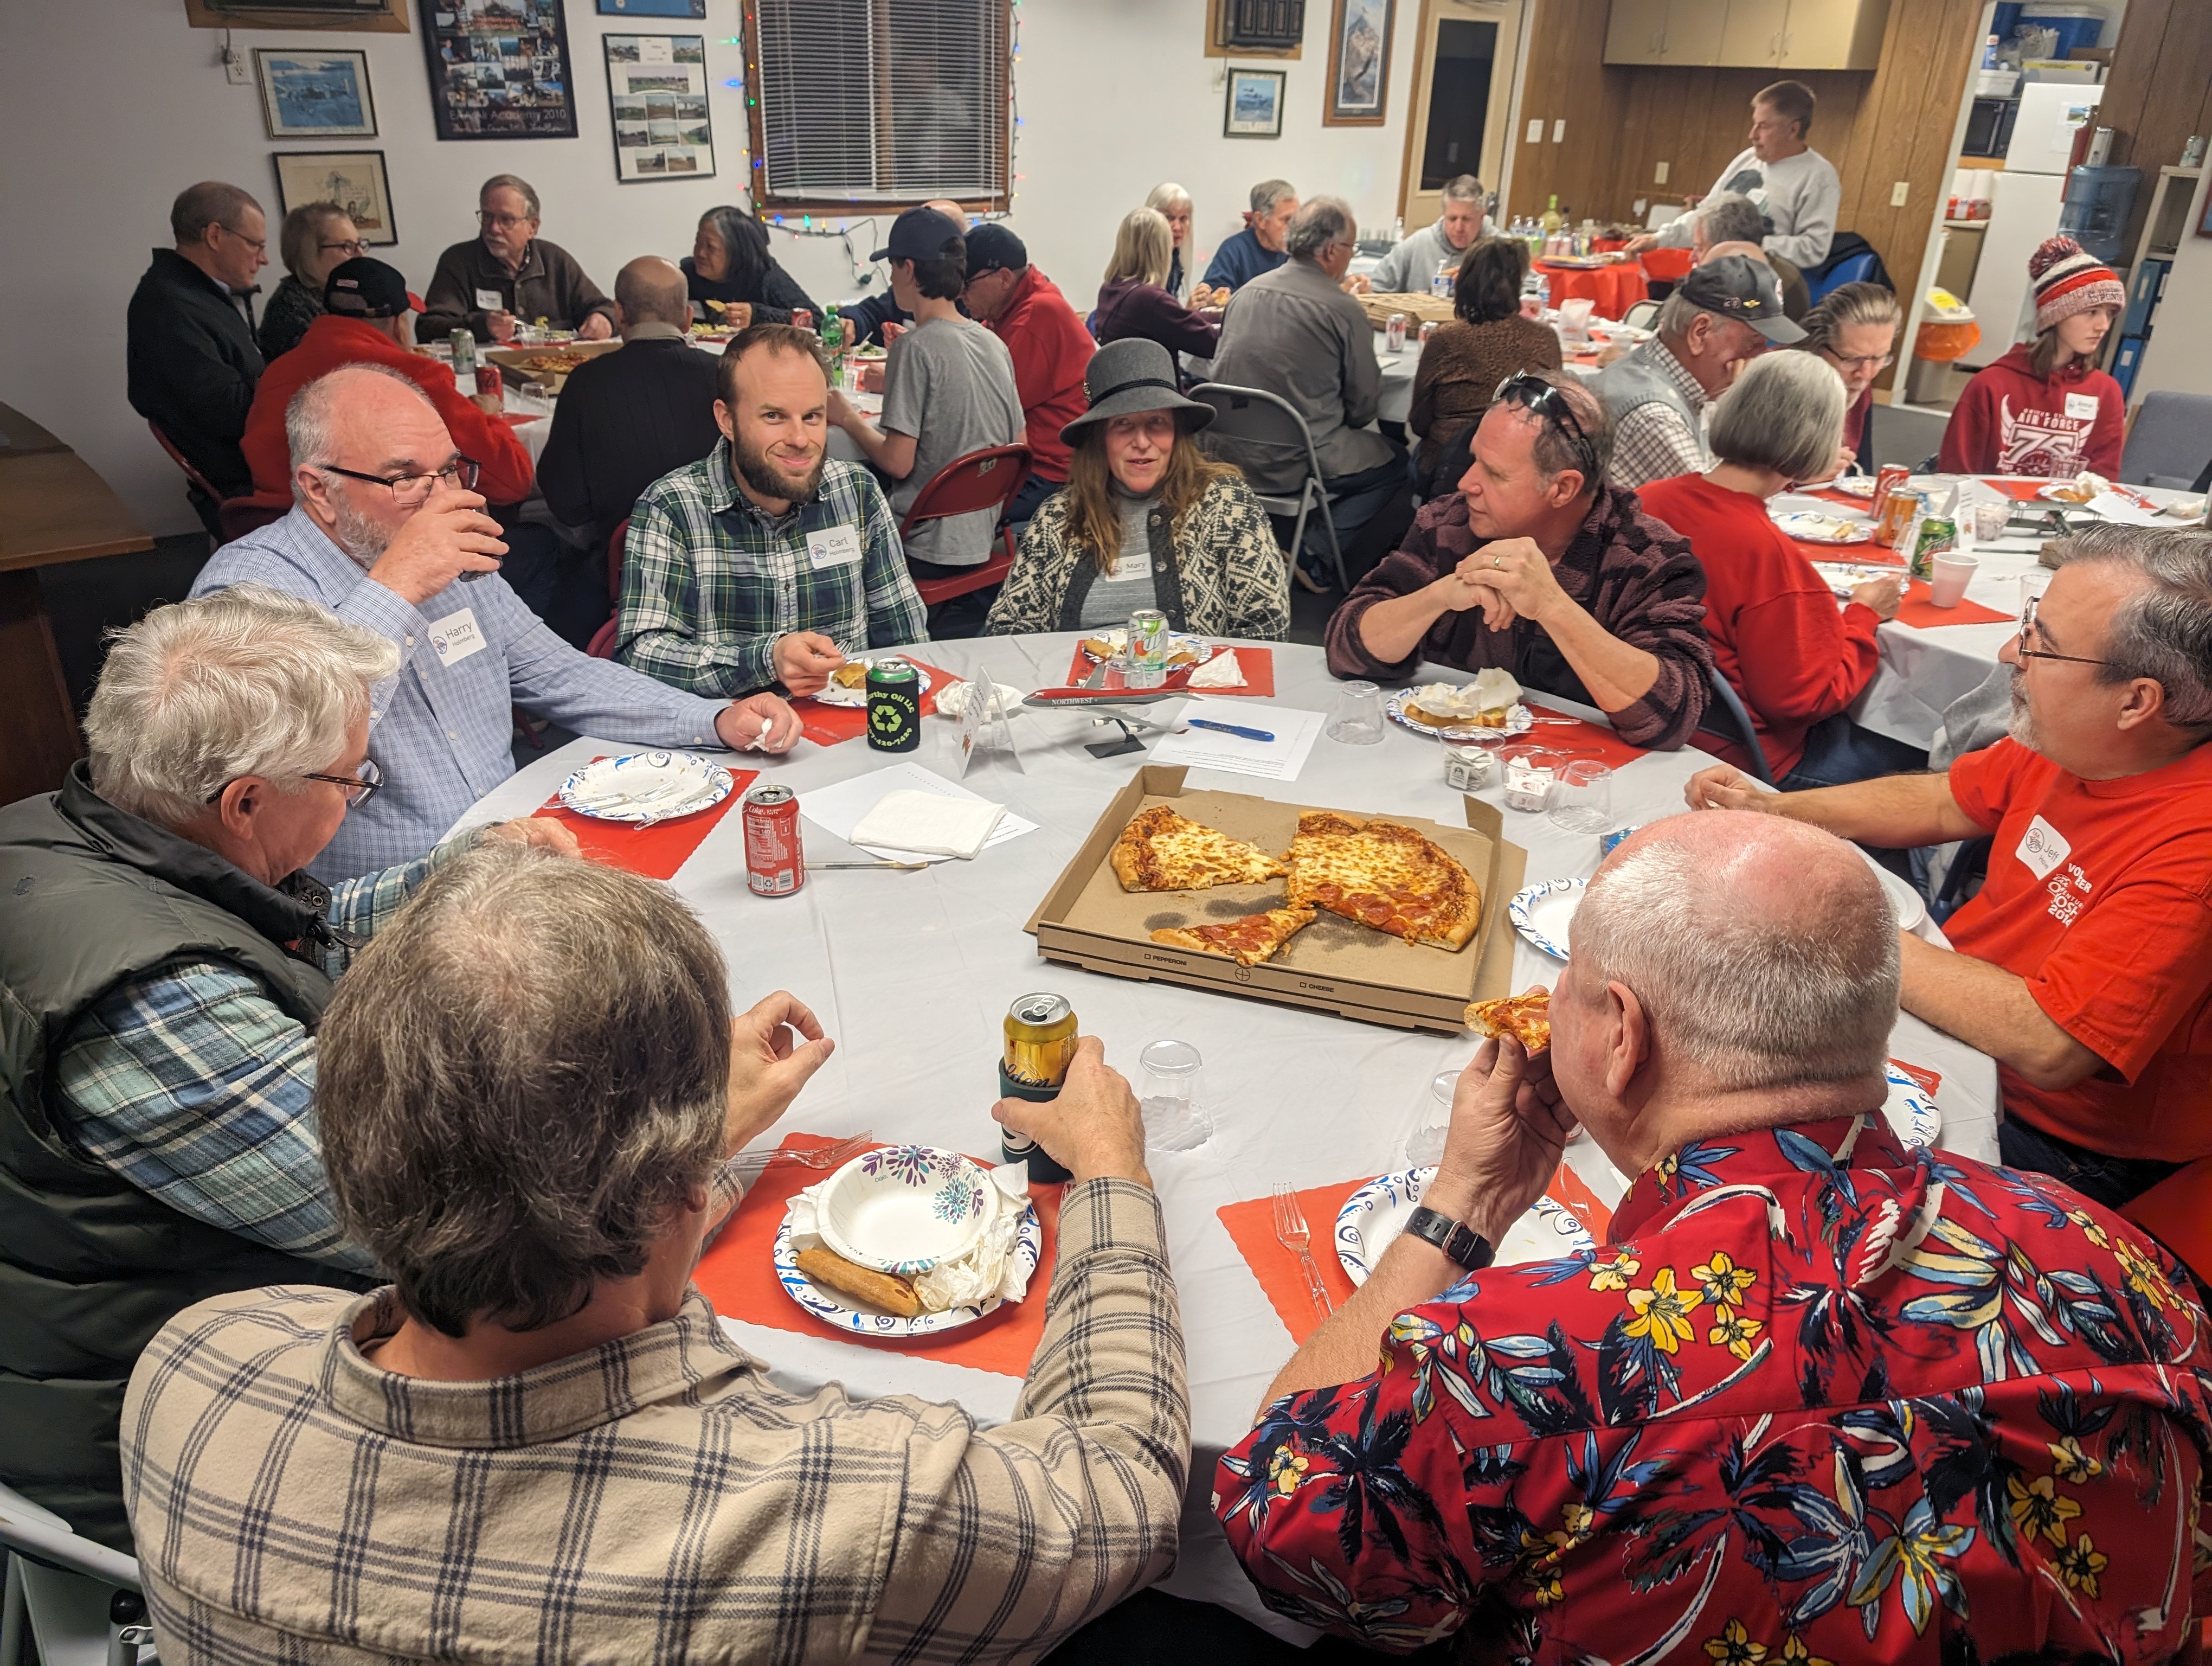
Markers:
191,360
2084,965
508,274
388,530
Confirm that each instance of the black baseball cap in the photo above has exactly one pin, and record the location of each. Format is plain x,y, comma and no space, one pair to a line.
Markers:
992,247
1737,287
920,234
362,287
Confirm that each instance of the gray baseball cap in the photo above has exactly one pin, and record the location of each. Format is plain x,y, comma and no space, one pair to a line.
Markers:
1735,286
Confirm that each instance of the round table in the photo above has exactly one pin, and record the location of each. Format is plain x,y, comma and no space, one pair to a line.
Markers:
912,973
533,419
1610,289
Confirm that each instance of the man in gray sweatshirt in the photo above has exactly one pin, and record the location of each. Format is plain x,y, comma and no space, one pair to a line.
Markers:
1411,267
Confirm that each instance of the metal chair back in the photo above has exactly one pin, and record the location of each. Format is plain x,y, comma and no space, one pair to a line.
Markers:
1735,725
78,1603
1254,417
988,479
2171,441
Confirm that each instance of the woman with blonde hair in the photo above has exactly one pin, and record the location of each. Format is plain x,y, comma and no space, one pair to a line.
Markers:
1171,202
1134,299
1146,519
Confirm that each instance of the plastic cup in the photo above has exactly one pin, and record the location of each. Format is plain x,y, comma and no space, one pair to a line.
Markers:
1168,1095
1581,798
1426,1144
1948,578
1357,720
2032,583
1529,771
1991,520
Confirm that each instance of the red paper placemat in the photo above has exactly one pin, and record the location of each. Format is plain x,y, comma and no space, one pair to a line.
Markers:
1561,733
1258,665
656,851
1930,1080
1859,555
1252,1227
1918,609
825,725
737,1274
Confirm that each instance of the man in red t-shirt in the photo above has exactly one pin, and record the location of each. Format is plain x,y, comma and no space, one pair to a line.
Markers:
1025,309
2084,967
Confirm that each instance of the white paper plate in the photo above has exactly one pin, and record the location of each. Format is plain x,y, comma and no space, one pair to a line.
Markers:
833,694
1904,901
1176,640
1810,527
1911,1110
1519,721
690,783
1541,912
1377,1212
902,1209
1851,485
1842,577
847,1313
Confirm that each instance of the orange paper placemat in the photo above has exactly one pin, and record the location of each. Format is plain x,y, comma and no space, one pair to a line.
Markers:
738,1273
825,725
656,851
1252,1227
1917,609
1258,665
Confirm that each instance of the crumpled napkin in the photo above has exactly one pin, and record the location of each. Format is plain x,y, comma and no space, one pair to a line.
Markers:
953,702
927,823
1221,671
990,1270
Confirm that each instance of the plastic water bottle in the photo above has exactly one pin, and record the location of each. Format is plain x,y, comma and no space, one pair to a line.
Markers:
833,344
1397,230
1445,280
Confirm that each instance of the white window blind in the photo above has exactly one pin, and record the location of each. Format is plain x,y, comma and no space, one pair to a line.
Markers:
881,100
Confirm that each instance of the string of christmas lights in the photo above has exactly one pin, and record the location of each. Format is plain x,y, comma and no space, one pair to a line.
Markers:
818,225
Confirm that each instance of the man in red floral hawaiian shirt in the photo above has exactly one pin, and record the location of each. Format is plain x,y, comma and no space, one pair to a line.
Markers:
1819,1398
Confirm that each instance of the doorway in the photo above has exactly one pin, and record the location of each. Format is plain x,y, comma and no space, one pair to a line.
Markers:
1464,65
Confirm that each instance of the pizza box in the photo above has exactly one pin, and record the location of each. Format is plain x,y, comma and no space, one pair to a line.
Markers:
1419,310
541,365
1333,965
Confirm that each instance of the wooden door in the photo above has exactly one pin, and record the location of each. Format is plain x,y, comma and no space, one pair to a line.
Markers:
1751,37
1461,122
1636,32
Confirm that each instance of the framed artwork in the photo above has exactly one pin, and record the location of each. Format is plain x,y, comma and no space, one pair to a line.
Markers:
657,84
499,69
1359,64
653,8
1254,109
314,94
354,179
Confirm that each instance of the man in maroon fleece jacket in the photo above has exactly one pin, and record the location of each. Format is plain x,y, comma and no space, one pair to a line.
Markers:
1536,566
1023,308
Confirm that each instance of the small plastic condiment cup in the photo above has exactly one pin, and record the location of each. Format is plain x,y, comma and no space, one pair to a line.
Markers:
1991,520
1469,765
1529,771
1949,577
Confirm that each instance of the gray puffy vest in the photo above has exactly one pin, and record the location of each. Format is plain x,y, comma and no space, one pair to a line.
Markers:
1635,380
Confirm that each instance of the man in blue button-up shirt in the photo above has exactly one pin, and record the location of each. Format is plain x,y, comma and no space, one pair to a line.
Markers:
383,527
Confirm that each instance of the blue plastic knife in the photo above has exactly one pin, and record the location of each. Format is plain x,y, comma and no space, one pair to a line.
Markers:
1241,732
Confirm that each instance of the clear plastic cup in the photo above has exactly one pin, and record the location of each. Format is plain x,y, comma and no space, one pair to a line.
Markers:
1581,798
1168,1093
1949,576
1426,1144
1990,521
1357,720
1529,772
2032,583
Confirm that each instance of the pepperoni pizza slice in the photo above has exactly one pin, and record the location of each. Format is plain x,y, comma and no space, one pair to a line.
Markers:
1385,875
1526,1018
1161,850
1247,941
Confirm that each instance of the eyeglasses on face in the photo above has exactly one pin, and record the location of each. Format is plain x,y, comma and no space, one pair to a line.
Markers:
1543,400
409,490
1864,361
359,787
2027,635
354,247
258,245
501,221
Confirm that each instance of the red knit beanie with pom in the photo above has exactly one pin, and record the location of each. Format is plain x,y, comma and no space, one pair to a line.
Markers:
2067,280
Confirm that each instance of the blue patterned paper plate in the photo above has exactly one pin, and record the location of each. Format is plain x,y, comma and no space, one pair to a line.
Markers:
1541,912
1377,1212
834,1307
641,787
1397,708
1911,1113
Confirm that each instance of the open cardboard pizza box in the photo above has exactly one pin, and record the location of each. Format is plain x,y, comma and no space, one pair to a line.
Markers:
548,365
1419,309
1333,965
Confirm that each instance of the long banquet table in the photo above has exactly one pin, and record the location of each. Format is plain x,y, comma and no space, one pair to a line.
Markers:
912,973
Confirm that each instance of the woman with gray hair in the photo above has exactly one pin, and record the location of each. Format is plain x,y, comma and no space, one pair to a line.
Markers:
1172,203
317,238
1777,635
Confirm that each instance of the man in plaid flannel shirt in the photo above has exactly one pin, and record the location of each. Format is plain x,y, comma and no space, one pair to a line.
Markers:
766,562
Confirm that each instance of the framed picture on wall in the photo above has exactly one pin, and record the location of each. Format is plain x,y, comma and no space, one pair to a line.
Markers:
1254,109
354,179
657,85
314,94
1359,64
499,69
653,8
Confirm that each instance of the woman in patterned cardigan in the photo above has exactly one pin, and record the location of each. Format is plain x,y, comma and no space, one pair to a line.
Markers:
1146,519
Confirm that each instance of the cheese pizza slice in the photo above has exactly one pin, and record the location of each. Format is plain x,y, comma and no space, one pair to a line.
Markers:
1526,1018
1161,850
1247,941
1385,875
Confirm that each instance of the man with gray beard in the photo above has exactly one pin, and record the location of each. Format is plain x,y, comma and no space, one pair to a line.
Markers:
2084,966
387,531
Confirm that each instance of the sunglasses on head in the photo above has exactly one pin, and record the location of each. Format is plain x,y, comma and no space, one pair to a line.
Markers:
1544,400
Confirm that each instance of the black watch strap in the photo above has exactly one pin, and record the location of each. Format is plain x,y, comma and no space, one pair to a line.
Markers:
1460,1242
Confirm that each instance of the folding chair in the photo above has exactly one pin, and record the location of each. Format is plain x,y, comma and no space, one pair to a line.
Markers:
237,516
1736,725
986,479
1641,314
1255,417
80,1602
603,639
2170,442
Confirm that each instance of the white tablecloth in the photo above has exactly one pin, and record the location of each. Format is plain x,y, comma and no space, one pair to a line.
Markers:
912,973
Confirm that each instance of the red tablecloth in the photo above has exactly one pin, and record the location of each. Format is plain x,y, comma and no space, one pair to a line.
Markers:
1611,290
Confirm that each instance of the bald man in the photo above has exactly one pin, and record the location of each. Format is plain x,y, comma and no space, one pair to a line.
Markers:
386,532
626,418
1804,1357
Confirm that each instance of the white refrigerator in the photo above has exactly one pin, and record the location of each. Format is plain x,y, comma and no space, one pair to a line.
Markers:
2024,203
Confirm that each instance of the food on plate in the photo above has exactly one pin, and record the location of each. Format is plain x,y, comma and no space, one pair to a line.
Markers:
1526,1018
1385,875
893,1295
554,364
1817,528
1247,941
853,674
2079,489
1484,703
1221,671
1160,850
1181,650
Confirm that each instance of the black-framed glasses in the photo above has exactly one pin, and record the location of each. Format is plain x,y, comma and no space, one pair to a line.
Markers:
1544,401
354,247
412,490
1863,360
2027,636
360,786
502,221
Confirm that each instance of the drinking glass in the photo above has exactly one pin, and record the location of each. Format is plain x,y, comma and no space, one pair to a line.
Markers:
2032,583
1529,772
1581,798
1168,1093
1426,1144
1358,718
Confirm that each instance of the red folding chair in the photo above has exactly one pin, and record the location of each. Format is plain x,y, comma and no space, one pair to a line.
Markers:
986,479
603,639
182,461
237,516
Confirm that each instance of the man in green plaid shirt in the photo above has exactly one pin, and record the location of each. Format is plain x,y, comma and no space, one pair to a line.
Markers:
767,563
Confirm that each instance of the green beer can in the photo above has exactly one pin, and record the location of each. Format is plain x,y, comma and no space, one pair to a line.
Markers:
893,706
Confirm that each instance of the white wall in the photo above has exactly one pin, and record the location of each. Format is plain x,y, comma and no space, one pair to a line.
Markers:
2178,356
1115,97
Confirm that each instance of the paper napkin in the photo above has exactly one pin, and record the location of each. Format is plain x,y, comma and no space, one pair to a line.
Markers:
927,823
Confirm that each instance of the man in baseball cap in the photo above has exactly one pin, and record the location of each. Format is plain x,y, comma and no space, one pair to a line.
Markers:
1720,317
1051,348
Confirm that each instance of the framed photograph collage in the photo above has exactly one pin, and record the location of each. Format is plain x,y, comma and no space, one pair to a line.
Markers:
657,84
499,69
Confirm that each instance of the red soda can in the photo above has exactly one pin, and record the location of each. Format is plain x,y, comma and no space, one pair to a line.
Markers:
802,318
488,380
1886,480
776,864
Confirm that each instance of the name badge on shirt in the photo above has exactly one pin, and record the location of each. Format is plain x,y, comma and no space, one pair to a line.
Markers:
2081,405
1131,564
490,300
2042,847
456,637
833,546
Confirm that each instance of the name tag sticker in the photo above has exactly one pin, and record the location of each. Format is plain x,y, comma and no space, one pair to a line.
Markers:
456,637
2042,847
490,300
833,546
1130,563
2081,405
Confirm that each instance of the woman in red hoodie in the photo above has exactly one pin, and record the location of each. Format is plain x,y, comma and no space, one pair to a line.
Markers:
2044,409
1778,635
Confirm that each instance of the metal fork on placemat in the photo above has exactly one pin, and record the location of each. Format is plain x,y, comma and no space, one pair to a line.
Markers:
825,1158
1290,1232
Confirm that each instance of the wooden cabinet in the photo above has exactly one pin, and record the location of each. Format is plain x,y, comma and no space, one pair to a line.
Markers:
1636,31
1695,29
1751,36
1784,36
1831,34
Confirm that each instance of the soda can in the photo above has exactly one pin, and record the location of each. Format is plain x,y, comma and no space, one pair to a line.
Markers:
1897,512
489,383
893,706
1148,649
1394,333
776,861
465,353
1039,1045
1937,535
1887,478
802,318
1606,842
1429,328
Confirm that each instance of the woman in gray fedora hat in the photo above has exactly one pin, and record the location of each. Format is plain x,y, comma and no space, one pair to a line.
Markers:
1146,519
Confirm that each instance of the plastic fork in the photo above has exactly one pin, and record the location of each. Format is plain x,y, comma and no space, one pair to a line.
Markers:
1292,1234
825,1157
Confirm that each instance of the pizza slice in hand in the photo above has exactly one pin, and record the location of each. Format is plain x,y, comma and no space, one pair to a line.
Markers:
1248,941
1526,1018
1160,850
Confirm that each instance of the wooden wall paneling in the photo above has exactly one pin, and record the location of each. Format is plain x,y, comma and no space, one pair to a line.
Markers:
1567,79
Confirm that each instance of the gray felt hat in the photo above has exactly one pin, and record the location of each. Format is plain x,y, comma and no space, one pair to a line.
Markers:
1130,375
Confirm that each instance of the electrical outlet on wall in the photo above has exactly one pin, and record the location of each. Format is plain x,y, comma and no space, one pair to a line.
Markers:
1535,130
1659,174
237,68
1898,192
1559,131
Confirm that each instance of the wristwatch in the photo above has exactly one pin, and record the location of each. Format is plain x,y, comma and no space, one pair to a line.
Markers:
1460,1242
